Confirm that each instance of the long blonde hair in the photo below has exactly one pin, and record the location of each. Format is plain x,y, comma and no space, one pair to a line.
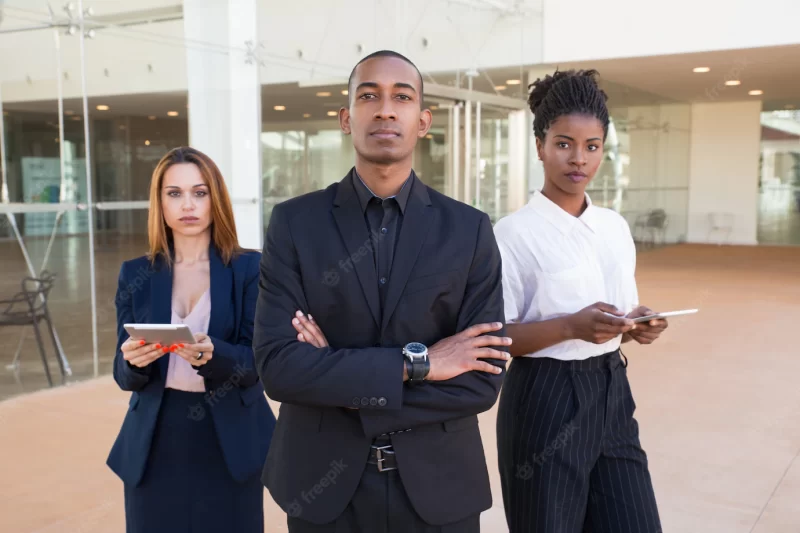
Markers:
223,226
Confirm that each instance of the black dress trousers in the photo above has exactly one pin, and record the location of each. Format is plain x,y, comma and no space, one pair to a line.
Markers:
569,451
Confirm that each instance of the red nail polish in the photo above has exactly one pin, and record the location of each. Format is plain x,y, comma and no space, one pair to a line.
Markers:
180,345
166,350
158,346
142,343
173,348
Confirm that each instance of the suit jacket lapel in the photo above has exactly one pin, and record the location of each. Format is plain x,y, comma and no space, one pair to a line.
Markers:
353,228
161,304
221,293
418,218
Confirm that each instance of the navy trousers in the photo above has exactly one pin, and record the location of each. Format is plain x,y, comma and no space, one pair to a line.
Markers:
569,451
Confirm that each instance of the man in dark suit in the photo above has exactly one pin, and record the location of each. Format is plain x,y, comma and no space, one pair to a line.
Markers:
378,428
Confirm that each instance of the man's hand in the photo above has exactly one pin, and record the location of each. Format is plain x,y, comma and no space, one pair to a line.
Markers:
459,354
646,332
449,357
308,330
596,324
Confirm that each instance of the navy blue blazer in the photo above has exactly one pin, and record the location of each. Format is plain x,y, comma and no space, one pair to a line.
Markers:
235,399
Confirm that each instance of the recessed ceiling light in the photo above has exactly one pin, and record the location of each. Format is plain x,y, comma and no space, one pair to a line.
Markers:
76,118
429,136
434,107
172,113
700,70
279,108
69,112
731,83
756,92
513,82
332,113
323,94
345,92
152,117
499,87
147,143
102,107
306,115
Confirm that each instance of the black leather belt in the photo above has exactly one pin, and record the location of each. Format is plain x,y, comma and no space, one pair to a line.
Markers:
382,455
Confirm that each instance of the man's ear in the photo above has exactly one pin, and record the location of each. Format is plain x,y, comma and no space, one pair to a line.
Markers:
425,121
344,120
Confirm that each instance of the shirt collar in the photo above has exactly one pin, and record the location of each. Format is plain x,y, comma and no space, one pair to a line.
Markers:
562,220
365,194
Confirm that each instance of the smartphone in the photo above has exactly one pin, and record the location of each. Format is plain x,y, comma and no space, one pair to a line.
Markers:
164,334
664,315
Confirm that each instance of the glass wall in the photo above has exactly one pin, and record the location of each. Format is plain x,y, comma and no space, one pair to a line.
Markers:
645,172
132,69
779,183
43,221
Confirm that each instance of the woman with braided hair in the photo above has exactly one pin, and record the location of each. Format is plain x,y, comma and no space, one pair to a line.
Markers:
568,445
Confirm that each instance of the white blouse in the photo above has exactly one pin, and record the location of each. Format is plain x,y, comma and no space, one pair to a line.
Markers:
555,264
181,375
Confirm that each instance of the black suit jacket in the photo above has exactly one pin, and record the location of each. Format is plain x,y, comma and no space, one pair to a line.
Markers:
242,418
446,276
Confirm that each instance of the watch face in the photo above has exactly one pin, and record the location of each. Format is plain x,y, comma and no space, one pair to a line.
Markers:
416,348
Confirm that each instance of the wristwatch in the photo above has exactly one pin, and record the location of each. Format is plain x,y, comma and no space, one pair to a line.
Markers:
417,363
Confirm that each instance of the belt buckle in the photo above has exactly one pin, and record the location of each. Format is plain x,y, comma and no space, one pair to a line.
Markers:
379,451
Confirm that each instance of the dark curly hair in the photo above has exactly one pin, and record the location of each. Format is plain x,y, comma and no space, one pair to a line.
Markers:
566,93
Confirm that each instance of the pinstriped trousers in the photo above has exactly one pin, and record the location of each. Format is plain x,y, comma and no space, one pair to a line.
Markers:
569,451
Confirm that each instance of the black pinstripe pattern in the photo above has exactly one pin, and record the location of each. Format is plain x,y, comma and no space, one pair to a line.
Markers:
569,451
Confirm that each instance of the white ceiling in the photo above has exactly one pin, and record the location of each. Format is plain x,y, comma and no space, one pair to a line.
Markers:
628,82
774,70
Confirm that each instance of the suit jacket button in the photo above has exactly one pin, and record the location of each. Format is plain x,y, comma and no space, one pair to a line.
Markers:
356,402
364,401
382,401
373,401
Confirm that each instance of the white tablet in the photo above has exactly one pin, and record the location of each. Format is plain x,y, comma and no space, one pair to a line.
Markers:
665,315
164,334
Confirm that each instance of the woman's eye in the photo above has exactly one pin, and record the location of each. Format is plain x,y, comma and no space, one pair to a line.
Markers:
593,147
174,194
201,193
563,145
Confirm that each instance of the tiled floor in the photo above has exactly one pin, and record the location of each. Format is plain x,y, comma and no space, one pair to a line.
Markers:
718,402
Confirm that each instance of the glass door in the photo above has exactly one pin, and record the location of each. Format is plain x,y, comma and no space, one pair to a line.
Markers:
476,153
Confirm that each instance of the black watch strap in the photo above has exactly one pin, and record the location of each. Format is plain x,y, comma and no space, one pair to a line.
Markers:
418,370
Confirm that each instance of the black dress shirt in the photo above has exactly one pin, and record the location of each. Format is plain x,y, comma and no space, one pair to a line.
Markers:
384,218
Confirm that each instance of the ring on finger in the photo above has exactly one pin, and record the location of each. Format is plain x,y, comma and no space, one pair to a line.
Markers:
199,356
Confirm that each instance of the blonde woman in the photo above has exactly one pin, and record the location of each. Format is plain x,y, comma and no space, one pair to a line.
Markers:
198,427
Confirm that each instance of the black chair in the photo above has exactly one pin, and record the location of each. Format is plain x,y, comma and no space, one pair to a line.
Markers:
29,308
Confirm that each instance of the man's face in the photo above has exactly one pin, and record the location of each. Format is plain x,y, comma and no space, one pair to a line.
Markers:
385,117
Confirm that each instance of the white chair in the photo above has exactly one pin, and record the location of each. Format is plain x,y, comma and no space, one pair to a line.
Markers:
721,223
